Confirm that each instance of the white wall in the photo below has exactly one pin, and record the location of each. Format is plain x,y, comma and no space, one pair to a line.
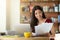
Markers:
15,13
2,15
8,12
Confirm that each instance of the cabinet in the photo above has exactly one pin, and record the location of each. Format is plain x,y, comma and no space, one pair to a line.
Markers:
50,7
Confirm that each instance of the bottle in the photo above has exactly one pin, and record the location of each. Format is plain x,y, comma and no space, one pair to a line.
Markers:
56,8
59,7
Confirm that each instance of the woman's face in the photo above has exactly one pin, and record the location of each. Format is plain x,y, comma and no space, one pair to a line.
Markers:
38,14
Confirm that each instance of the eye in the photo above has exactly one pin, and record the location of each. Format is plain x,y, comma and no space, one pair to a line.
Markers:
36,13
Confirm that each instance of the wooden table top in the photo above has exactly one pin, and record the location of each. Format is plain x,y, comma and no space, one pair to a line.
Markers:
23,38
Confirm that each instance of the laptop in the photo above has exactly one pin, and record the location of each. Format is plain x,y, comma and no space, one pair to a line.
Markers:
21,28
43,28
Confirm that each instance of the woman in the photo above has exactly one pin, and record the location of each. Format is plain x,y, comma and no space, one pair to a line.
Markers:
38,17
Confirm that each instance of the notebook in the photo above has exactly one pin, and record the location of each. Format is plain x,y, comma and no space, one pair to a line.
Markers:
43,28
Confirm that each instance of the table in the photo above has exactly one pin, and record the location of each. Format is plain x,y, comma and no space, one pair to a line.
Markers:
23,38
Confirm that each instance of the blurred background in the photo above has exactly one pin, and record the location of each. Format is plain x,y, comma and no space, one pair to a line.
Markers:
51,9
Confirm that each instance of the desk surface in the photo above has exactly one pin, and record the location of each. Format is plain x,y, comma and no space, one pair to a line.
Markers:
23,38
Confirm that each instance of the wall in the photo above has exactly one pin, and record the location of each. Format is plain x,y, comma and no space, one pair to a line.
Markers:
13,14
8,12
2,15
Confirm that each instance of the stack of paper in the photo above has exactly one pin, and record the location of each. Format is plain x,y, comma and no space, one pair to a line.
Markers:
43,28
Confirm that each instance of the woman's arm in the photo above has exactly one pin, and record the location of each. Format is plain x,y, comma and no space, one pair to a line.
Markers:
53,32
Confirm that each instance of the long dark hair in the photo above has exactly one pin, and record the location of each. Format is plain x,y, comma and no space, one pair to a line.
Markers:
34,20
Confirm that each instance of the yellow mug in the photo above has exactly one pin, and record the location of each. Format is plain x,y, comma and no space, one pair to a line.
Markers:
27,34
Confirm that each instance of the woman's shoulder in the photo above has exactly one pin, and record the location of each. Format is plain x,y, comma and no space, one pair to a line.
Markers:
48,21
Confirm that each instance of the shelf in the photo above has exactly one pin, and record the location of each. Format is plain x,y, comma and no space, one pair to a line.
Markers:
51,12
48,14
39,1
44,12
46,1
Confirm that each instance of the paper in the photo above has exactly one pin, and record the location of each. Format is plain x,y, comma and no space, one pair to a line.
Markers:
43,28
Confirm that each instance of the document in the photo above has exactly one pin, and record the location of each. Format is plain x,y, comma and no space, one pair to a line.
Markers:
43,28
